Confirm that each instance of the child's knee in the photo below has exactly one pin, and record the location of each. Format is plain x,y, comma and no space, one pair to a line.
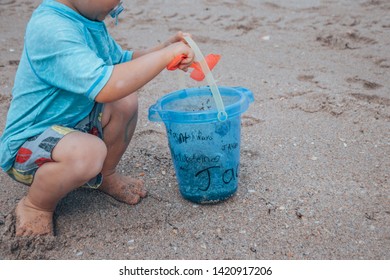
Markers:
128,106
121,112
95,152
88,159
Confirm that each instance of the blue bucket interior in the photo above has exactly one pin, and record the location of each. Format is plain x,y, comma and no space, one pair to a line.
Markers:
196,105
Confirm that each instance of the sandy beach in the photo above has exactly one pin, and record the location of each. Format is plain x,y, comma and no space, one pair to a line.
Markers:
315,143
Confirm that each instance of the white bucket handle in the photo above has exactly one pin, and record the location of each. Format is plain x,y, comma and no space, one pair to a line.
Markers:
222,115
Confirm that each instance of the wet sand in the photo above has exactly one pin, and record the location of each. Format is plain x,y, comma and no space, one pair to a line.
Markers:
314,175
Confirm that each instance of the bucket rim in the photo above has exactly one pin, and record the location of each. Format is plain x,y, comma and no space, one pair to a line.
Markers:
158,113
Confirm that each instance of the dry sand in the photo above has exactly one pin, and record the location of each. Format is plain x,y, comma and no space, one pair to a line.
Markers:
315,143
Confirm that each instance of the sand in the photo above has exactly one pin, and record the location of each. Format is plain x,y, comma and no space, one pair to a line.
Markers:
314,176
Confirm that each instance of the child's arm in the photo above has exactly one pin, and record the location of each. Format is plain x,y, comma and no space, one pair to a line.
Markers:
128,77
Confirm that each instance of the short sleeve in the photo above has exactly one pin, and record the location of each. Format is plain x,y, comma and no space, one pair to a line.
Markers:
119,55
60,56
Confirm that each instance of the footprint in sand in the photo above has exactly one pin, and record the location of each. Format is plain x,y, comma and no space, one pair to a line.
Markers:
6,2
24,248
14,62
350,40
244,27
371,98
383,63
305,78
247,121
309,79
366,84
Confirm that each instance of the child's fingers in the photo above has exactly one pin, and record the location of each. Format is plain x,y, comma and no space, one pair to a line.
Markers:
187,59
185,34
185,65
179,37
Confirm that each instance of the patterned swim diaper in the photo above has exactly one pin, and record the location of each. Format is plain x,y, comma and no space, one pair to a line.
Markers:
37,150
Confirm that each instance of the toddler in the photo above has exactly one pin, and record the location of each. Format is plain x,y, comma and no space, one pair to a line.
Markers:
74,108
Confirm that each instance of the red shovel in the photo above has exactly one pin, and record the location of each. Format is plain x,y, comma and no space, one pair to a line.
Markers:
196,74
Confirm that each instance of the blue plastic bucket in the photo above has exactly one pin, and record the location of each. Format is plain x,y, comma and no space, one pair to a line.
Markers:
204,150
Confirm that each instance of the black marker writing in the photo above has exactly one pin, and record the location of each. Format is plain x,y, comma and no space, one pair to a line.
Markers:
209,177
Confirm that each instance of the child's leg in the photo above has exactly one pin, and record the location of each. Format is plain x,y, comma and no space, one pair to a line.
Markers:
77,157
119,121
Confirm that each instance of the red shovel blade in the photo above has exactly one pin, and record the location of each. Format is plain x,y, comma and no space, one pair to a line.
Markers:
211,60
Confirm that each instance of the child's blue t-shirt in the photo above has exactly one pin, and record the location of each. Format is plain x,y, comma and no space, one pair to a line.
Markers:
66,61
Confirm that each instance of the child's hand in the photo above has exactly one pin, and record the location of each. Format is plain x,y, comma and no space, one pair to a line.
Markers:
189,56
178,37
182,49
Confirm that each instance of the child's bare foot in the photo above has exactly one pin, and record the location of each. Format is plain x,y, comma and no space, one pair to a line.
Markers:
31,221
123,188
